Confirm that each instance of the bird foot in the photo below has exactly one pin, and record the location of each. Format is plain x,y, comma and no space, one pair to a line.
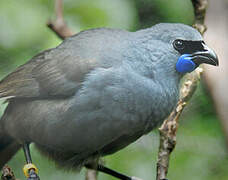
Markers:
31,171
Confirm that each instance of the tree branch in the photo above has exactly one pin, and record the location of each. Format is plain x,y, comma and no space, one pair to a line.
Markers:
200,7
169,128
59,26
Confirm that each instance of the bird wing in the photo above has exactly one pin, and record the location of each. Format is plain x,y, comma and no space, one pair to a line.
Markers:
59,72
50,74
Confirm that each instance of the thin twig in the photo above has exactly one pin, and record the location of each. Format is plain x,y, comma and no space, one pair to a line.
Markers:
59,26
169,128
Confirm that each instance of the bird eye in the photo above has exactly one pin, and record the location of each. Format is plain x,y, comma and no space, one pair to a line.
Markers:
178,44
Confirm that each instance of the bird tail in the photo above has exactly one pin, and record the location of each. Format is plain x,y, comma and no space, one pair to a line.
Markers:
8,148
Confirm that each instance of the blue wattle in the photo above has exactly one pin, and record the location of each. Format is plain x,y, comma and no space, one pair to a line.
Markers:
185,64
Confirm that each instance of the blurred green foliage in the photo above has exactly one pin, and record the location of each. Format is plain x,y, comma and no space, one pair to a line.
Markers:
200,153
155,11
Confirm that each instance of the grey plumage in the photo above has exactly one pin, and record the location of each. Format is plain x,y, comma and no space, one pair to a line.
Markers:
95,93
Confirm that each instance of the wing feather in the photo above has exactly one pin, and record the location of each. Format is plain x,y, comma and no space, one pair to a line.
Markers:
47,75
58,72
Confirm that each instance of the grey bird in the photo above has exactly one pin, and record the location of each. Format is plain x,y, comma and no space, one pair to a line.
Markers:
97,92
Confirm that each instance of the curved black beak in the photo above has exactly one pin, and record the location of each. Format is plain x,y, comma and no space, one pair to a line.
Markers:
207,56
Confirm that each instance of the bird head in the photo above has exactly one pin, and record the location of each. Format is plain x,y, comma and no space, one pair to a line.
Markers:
179,47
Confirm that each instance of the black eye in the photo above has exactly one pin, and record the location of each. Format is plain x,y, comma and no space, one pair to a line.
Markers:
178,44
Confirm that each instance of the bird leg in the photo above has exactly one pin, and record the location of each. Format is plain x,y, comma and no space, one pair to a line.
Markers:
30,170
111,172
